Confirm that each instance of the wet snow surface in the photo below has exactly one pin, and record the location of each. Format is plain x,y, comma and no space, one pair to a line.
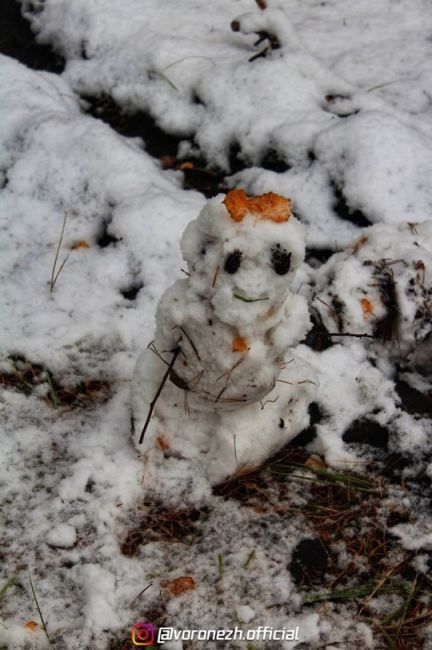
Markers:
337,115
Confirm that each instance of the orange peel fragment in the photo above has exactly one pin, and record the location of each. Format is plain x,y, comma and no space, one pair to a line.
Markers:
270,206
32,626
80,245
162,443
239,344
367,307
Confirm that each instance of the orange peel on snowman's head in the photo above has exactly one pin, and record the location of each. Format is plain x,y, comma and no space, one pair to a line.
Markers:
270,206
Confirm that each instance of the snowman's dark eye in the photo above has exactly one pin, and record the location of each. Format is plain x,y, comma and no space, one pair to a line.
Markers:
233,261
280,260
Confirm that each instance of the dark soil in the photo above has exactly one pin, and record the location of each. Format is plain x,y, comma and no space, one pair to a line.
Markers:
309,562
413,400
18,41
367,431
345,212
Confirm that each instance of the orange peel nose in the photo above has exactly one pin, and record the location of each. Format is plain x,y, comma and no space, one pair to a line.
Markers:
270,206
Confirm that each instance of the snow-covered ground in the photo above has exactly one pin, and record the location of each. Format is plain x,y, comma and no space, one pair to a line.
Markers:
344,104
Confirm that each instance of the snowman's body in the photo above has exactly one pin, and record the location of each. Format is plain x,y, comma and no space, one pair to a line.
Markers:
229,399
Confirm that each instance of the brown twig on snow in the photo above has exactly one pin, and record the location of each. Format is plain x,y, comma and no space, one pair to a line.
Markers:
158,392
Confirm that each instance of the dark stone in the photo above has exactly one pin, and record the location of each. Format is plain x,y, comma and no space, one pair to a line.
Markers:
367,431
309,562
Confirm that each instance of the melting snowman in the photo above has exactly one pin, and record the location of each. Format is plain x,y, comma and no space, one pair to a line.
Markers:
217,385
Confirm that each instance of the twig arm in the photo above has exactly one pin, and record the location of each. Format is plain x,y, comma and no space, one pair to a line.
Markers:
158,392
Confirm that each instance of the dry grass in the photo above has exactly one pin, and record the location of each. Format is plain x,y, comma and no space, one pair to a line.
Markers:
344,510
25,376
159,524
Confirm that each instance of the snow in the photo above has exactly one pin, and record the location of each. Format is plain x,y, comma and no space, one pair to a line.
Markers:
62,536
345,103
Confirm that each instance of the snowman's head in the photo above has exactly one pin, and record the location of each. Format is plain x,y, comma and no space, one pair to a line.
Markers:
242,253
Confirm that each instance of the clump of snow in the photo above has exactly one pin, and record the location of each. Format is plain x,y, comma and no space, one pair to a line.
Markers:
62,536
380,286
344,98
245,613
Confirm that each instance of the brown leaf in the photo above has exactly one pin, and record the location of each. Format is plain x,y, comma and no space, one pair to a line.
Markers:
179,585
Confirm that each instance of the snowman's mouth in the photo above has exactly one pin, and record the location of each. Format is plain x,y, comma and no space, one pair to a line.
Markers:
247,299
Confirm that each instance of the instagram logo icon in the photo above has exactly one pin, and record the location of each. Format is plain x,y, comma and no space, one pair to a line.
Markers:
143,634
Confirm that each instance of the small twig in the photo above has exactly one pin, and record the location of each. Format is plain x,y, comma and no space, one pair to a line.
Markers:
215,276
186,404
359,336
407,603
55,275
251,557
236,295
228,373
235,450
383,85
132,603
158,392
44,627
221,393
51,392
151,346
221,566
10,583
269,401
191,342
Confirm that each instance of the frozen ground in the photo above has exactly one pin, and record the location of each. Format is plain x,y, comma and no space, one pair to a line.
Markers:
339,118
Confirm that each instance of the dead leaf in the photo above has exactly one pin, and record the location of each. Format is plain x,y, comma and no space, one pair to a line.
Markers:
315,462
179,585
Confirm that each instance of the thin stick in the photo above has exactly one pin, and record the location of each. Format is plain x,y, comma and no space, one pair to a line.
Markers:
44,627
53,274
221,566
235,450
151,346
191,342
359,336
215,276
132,603
158,392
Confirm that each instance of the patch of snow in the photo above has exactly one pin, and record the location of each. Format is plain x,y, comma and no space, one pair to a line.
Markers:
62,536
